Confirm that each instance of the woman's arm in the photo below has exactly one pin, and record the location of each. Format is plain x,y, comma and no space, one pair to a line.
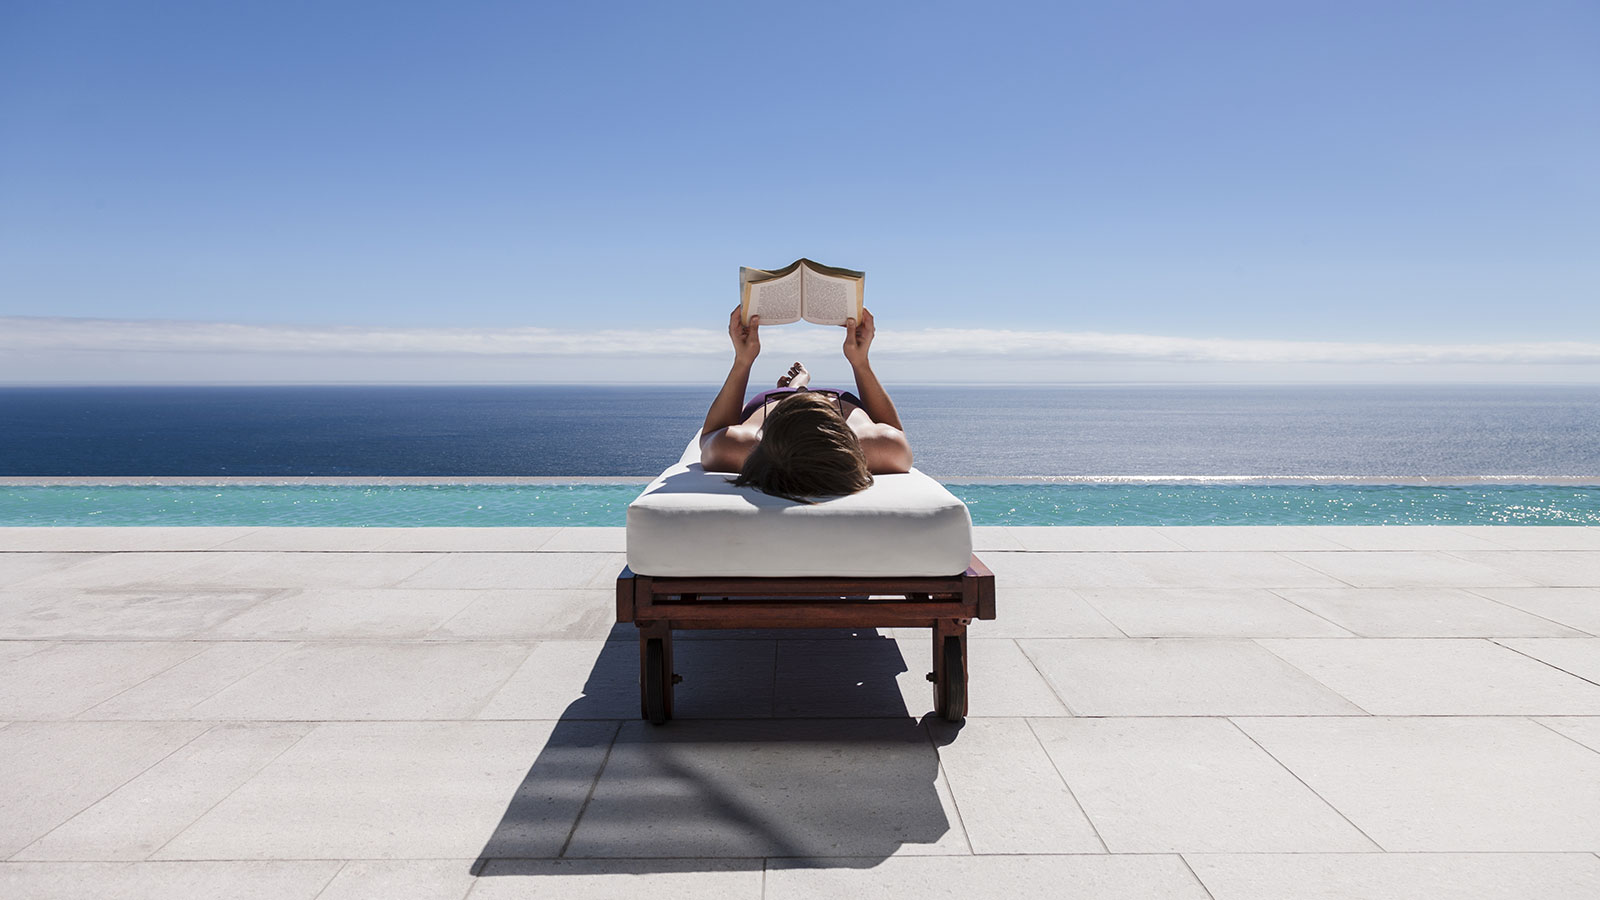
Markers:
884,442
730,400
724,440
874,399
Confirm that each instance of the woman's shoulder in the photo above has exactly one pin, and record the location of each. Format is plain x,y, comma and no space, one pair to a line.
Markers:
725,449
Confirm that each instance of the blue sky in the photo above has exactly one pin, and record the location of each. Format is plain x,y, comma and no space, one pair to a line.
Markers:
1358,173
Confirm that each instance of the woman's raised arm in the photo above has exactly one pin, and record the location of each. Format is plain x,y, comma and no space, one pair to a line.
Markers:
730,400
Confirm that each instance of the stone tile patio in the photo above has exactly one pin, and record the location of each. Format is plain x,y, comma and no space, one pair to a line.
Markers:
1224,713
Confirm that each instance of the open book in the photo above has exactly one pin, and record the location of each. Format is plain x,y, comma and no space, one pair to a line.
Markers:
803,289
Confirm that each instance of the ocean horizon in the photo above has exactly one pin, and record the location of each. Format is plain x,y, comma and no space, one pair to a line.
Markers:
1067,431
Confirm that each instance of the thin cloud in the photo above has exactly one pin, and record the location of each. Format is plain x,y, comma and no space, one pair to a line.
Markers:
34,335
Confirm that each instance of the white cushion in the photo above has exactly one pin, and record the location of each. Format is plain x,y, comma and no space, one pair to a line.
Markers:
690,522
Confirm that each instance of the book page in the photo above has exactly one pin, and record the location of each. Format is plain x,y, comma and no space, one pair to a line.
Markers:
776,301
830,300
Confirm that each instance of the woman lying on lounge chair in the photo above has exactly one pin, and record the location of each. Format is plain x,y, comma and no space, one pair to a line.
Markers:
799,442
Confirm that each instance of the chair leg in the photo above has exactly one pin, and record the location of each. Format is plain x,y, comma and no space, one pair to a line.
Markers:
655,671
950,669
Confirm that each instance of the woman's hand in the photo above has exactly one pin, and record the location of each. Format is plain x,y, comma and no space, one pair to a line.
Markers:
858,338
746,339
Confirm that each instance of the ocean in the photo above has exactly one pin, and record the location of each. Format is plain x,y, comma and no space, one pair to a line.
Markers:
1365,432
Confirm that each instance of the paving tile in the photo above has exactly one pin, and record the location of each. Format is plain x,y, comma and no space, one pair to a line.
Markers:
768,788
1524,537
1178,677
1232,538
1404,537
304,538
1578,656
993,537
1095,877
866,676
316,682
136,819
1189,784
297,880
11,650
318,614
1043,612
407,790
1447,784
321,569
1001,679
133,570
104,540
587,540
1010,796
65,679
1419,612
600,680
20,568
467,540
533,615
1583,729
1206,612
1398,876
1134,538
605,879
172,693
1155,569
1404,568
74,614
520,571
1574,607
53,770
1566,568
1437,676
411,879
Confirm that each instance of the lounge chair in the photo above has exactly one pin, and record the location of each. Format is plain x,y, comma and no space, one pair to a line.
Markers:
705,554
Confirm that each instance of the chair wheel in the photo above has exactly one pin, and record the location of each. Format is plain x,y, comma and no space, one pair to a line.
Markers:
955,682
655,687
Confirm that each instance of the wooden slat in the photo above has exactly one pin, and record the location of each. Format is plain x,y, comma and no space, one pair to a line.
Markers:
757,614
825,586
980,580
625,585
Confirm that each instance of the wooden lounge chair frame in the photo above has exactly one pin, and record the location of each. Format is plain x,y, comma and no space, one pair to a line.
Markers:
659,606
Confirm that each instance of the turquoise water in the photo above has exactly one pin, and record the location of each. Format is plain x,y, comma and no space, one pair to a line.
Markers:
991,504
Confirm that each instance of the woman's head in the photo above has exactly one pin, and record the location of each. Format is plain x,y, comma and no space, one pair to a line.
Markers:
806,450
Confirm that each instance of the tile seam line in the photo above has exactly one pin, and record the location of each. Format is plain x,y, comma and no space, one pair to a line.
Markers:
1027,722
290,647
1497,642
594,785
200,647
236,788
955,802
1097,611
1278,592
478,708
209,727
1313,569
1296,776
1536,721
1054,692
1319,682
760,859
1196,876
343,864
1479,592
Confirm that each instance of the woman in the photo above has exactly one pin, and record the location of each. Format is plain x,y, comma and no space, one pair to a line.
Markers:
796,442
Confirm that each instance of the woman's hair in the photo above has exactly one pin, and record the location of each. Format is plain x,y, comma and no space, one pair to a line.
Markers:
806,450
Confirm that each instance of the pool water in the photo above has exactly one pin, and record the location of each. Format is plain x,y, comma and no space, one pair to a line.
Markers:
991,504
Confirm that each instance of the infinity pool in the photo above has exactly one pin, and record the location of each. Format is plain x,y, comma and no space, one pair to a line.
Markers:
991,504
